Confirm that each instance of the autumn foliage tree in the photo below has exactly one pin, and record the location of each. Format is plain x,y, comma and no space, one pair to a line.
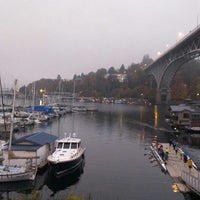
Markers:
106,83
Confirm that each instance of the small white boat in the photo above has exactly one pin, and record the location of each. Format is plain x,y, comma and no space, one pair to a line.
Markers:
3,145
79,109
67,157
5,126
13,173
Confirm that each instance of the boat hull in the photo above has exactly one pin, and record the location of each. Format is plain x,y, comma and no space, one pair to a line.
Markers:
65,167
66,180
14,178
9,177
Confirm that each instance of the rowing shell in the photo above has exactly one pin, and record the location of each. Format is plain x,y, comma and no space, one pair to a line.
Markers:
158,158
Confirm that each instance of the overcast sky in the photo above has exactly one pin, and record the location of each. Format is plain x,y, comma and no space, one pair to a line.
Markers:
44,38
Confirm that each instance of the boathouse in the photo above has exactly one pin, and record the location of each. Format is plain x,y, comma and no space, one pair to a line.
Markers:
180,115
31,150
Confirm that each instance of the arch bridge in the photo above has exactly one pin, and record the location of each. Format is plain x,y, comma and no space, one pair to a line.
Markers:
165,67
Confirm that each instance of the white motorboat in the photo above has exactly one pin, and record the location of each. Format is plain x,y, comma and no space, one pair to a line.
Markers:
68,155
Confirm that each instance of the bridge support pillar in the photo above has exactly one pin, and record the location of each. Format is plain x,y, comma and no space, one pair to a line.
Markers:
163,96
158,96
168,96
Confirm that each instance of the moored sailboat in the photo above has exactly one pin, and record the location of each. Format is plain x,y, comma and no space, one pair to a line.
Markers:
12,173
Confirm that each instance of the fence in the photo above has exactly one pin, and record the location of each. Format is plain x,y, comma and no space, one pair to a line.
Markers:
191,181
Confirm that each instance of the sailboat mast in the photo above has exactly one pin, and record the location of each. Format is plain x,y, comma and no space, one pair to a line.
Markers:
33,88
3,111
74,88
25,96
12,115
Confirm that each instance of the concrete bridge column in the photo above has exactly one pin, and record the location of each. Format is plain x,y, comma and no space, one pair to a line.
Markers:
163,96
168,96
158,96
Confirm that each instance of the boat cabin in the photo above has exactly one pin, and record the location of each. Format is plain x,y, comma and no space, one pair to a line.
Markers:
68,143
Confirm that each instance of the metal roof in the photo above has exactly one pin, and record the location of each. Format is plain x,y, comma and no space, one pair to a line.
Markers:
41,138
180,108
33,141
24,147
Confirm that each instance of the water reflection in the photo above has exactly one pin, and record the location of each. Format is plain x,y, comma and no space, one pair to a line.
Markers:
15,190
116,168
30,189
155,116
65,181
20,186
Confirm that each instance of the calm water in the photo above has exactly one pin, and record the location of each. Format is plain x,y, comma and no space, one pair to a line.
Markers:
117,164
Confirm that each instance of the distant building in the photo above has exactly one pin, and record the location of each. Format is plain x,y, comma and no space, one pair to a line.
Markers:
185,116
121,77
180,115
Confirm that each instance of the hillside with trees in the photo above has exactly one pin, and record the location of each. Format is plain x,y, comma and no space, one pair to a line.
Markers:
125,82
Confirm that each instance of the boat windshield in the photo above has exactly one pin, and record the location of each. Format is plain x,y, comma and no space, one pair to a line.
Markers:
73,145
79,144
59,146
66,145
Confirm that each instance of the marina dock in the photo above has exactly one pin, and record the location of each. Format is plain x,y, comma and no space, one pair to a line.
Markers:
185,179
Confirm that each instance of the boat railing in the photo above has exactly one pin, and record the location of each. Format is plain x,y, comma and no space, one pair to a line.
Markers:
191,181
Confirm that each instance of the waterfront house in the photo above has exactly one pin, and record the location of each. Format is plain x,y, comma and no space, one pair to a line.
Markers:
30,150
195,118
180,116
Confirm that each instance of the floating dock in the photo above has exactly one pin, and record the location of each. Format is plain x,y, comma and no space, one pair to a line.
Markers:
185,179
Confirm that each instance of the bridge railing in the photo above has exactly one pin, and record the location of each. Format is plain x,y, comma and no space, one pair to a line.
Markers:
192,181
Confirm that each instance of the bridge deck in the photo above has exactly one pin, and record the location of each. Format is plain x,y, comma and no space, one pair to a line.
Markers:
176,166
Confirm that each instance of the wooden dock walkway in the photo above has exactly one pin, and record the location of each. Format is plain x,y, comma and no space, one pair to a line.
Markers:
184,178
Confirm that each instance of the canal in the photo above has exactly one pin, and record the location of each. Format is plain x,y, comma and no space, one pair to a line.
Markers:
117,161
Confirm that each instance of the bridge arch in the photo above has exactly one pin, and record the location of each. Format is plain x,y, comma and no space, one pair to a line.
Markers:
165,67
